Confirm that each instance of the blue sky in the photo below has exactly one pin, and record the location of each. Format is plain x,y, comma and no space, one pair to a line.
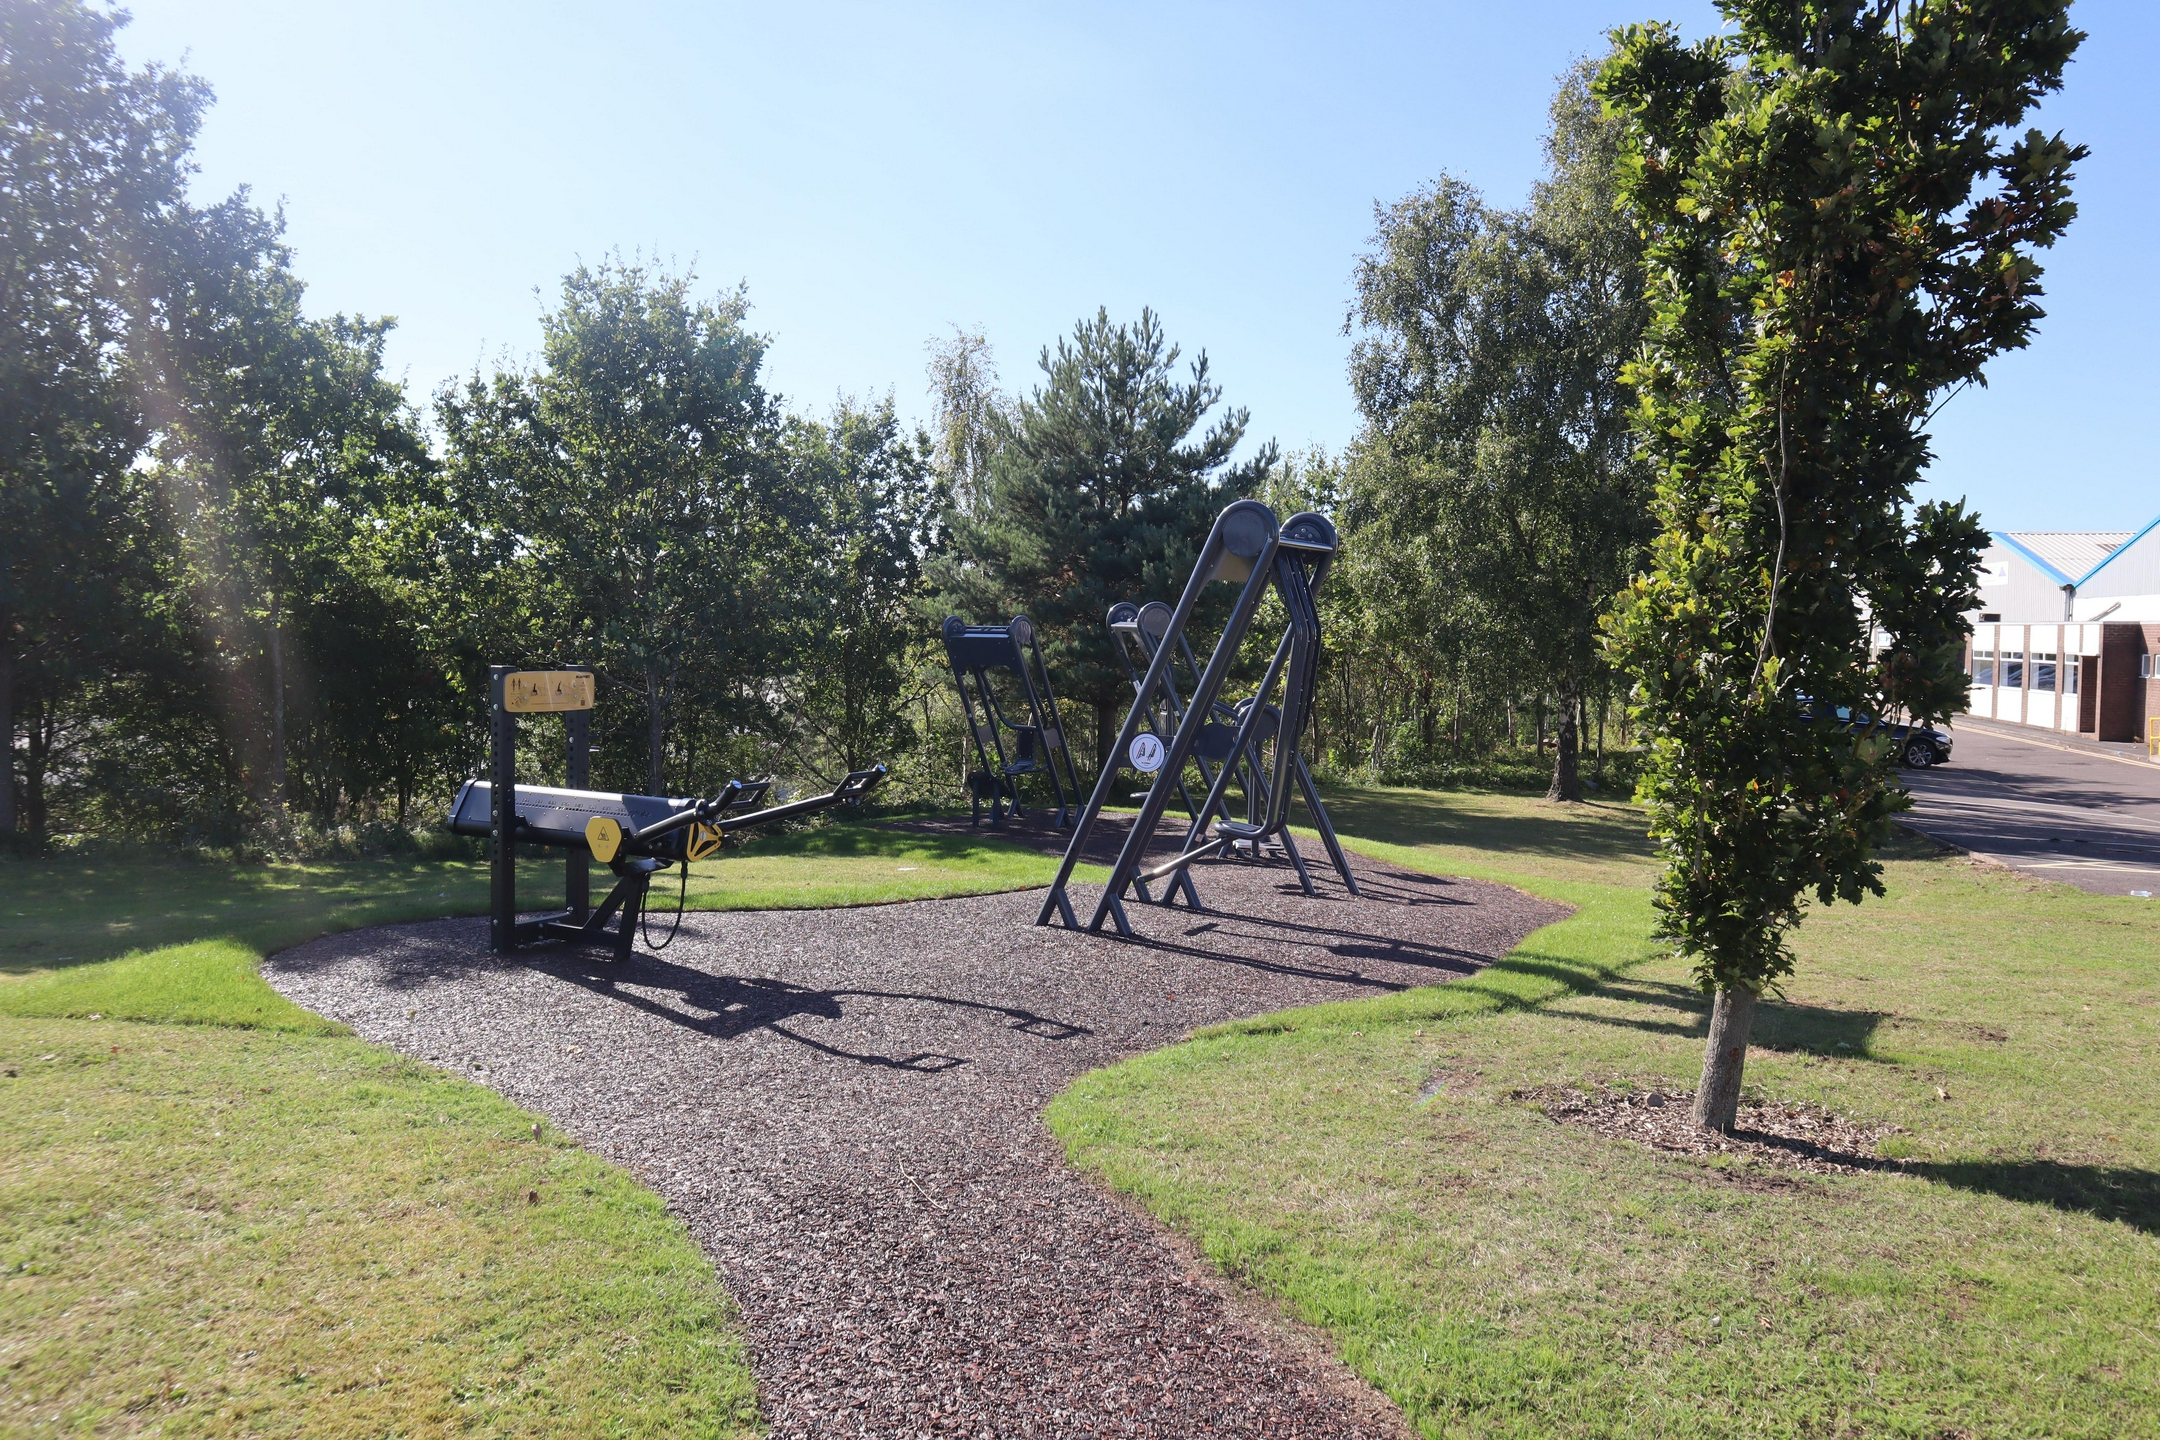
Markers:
879,173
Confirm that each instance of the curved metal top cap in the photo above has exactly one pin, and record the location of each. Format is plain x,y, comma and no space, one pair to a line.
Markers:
953,625
1155,618
1309,530
1122,613
1023,629
1247,525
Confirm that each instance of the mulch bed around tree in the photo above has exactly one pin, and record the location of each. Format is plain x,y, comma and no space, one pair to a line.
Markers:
844,1106
1769,1132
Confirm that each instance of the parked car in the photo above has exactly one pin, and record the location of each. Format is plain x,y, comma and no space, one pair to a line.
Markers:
1917,745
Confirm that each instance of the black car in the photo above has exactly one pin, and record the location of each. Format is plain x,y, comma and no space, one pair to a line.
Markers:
1917,745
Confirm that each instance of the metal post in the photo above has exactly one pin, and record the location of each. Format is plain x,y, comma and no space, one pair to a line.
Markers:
577,770
502,837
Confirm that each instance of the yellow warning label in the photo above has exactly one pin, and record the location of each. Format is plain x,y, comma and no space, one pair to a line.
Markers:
703,841
527,692
605,837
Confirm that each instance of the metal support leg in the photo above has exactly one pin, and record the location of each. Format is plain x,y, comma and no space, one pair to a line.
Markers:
502,839
577,766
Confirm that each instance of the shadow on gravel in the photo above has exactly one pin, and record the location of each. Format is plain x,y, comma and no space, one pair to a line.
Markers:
1332,941
734,1005
2105,1192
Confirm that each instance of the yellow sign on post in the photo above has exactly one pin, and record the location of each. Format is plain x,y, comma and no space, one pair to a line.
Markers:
527,692
703,841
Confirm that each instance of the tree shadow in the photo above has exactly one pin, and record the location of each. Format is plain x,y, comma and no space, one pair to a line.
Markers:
1814,1030
2105,1192
1591,830
1780,1025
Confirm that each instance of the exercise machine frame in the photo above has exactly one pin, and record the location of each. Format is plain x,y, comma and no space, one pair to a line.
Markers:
974,651
1247,546
1136,632
635,836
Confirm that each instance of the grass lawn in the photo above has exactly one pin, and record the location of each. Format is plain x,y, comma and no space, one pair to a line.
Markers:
239,1220
57,913
1501,1275
223,1232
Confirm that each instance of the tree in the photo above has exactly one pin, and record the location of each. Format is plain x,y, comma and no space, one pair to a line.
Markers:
1495,478
972,416
1100,491
874,504
1839,229
631,480
279,443
90,155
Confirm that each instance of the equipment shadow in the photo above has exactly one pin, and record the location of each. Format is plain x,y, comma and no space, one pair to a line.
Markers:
734,1005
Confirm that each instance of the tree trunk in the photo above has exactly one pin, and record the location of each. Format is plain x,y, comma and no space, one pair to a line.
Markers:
277,709
1717,1098
36,756
1106,733
7,731
1603,705
1566,775
655,730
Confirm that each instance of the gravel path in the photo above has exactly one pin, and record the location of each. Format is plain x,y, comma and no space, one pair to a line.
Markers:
844,1105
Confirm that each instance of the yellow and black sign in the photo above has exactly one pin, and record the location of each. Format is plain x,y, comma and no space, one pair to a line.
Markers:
703,841
527,692
605,837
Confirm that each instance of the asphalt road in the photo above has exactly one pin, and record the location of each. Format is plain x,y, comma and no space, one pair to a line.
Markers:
2077,816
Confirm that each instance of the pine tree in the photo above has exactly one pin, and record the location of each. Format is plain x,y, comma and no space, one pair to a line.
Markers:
1102,489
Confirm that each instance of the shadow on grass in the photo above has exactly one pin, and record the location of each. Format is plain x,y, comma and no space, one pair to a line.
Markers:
1680,1009
2105,1192
1590,831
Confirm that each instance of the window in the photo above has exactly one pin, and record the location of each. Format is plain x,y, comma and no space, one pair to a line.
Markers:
2013,670
2071,666
1990,619
2043,670
1983,667
2144,667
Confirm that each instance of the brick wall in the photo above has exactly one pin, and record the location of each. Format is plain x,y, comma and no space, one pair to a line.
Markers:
2149,692
2123,701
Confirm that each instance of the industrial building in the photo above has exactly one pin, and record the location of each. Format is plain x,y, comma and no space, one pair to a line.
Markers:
2066,630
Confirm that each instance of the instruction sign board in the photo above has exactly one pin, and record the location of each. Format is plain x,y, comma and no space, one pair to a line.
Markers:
1146,753
527,692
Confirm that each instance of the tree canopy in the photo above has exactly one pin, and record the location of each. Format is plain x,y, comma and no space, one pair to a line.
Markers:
1495,484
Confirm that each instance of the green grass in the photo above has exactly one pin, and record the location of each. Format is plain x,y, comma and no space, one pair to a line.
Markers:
176,941
211,1232
59,913
1500,1275
235,1219
859,864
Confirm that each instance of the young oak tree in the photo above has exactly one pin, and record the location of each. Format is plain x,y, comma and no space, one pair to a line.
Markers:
1839,229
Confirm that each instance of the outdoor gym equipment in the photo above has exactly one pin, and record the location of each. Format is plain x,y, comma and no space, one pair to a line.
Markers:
635,836
1247,547
1136,633
977,654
